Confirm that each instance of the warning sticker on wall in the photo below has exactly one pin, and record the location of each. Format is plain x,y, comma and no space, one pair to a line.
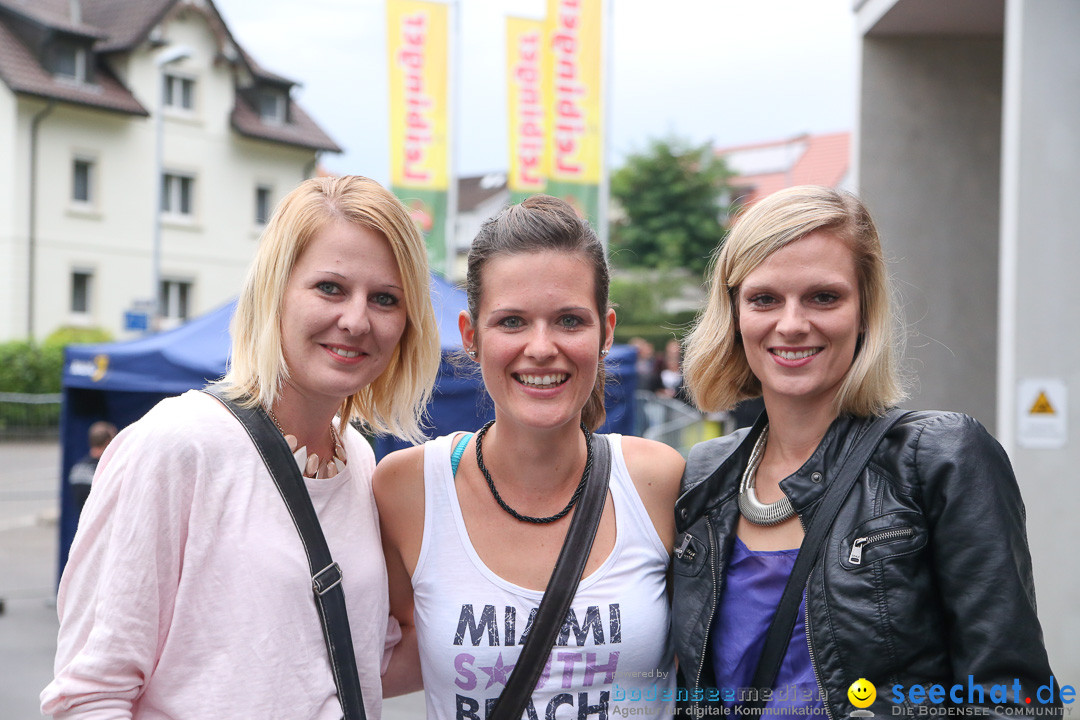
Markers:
1042,404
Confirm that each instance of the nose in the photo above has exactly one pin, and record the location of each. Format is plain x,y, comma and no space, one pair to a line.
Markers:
793,320
354,318
540,345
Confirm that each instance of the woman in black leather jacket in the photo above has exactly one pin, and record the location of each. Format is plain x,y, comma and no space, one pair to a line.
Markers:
921,600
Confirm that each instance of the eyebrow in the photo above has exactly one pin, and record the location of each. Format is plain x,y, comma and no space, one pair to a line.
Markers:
335,273
569,308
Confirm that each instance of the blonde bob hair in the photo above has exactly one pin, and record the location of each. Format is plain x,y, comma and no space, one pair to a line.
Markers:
394,402
715,367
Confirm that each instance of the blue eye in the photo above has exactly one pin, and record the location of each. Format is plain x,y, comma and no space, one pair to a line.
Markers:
384,299
825,298
327,287
511,322
761,300
570,321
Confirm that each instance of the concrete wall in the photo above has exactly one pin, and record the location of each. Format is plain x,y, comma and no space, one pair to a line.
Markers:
928,163
1041,320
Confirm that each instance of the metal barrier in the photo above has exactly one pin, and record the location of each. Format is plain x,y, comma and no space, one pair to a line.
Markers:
675,423
25,415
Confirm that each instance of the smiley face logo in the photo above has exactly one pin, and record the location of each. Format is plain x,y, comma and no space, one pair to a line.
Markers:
862,693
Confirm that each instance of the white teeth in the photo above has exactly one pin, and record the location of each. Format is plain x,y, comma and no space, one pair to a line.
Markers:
543,380
796,354
345,353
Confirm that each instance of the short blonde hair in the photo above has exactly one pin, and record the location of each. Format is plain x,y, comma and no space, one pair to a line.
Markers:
716,370
396,401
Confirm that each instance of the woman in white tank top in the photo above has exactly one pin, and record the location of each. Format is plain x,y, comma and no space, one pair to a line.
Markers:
472,525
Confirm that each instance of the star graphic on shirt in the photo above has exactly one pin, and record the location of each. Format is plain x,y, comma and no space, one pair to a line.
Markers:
497,672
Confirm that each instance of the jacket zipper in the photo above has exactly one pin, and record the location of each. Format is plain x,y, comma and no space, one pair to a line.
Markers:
712,607
857,547
813,658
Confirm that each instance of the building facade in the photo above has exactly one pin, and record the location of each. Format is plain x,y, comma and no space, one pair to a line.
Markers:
147,150
969,116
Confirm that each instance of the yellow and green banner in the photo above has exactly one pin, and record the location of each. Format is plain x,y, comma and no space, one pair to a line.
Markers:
419,134
525,96
573,60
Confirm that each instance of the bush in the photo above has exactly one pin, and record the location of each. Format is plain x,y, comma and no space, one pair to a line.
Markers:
68,335
30,368
26,367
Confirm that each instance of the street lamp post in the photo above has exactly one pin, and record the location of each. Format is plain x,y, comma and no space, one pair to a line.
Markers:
171,54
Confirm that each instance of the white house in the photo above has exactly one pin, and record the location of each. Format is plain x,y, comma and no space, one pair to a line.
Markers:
89,88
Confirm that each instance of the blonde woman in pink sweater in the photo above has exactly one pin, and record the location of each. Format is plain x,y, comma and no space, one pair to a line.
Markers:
187,593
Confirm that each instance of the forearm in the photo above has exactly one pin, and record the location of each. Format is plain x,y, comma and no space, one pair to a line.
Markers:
402,674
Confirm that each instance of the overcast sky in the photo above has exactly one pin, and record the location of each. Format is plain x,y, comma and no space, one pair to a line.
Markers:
722,71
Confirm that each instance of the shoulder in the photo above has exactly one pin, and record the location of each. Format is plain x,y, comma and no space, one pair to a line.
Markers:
706,457
179,428
652,464
651,457
932,435
358,449
193,417
398,477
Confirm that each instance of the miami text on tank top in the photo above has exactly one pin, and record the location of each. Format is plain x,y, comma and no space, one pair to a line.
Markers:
613,654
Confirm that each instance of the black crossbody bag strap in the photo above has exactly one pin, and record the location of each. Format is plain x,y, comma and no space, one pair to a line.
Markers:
561,588
325,573
778,636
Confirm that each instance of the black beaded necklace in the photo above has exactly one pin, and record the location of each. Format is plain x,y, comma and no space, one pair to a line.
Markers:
514,513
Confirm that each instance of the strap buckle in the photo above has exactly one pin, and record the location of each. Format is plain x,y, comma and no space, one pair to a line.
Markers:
326,579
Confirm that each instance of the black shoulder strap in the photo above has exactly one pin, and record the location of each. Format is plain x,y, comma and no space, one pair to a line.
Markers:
325,573
561,588
783,622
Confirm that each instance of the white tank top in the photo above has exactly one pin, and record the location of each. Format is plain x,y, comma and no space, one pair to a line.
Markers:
613,653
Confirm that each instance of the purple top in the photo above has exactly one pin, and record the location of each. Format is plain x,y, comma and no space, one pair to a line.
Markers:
755,581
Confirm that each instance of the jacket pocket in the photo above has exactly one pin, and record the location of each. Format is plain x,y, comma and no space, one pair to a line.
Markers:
691,554
883,537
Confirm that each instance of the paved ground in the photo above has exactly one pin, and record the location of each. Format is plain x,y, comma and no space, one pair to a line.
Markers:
29,490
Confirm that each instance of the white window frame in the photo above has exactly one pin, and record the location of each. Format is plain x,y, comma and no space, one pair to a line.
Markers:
176,295
91,164
173,195
80,63
85,314
281,105
263,191
173,93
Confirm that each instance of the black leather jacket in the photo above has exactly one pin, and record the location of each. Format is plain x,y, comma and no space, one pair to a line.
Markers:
946,596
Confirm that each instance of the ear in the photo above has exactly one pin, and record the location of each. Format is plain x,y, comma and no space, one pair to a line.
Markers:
468,332
609,322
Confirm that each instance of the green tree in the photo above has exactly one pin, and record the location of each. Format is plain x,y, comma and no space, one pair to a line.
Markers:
671,198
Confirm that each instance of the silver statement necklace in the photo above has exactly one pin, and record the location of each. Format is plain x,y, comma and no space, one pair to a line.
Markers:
751,508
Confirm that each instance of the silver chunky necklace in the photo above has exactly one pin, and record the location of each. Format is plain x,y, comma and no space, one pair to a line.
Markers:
751,508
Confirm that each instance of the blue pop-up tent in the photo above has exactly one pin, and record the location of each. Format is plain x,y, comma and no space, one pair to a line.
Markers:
120,382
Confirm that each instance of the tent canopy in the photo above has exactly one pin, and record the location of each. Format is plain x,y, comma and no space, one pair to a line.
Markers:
120,382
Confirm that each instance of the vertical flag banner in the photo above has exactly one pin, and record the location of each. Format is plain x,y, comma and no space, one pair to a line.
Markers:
419,133
525,96
572,75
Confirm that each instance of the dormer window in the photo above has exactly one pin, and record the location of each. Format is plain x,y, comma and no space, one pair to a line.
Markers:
69,60
273,106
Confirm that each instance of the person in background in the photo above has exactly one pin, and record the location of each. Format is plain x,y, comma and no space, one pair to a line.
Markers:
645,364
188,593
924,578
82,473
472,524
670,374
